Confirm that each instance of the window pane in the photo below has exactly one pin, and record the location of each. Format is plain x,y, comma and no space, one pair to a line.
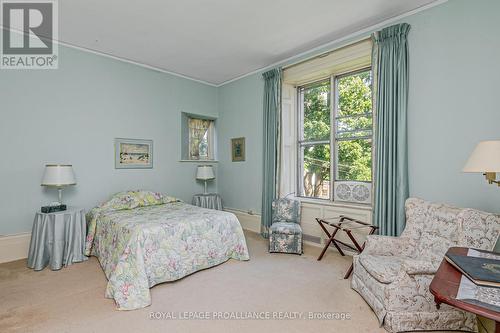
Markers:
354,160
355,94
317,112
315,172
354,126
203,146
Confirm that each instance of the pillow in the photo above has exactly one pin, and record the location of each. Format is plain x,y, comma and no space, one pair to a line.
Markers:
148,198
122,201
134,199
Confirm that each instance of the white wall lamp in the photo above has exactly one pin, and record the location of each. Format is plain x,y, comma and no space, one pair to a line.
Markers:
485,159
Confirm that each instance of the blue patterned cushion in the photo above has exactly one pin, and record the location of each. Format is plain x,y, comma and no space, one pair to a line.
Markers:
286,210
287,228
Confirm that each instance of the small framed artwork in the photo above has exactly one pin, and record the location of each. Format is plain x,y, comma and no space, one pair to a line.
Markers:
133,154
238,149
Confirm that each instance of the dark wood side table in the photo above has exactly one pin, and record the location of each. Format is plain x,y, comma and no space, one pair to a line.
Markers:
346,224
445,286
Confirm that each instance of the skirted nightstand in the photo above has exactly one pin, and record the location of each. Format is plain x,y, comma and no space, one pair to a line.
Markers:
57,239
209,200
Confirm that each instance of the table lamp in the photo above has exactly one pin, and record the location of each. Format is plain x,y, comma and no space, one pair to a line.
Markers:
205,172
485,158
58,176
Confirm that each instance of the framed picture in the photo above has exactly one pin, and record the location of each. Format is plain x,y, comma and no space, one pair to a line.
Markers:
238,149
133,154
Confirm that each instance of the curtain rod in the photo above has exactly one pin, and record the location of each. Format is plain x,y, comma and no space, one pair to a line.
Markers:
322,55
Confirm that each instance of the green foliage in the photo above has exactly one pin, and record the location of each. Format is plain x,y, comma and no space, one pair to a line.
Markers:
355,160
355,98
355,95
354,120
316,127
317,112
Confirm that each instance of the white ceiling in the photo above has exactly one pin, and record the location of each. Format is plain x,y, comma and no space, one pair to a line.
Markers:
216,40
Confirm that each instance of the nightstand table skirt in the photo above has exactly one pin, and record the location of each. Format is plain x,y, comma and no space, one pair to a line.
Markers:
57,239
211,200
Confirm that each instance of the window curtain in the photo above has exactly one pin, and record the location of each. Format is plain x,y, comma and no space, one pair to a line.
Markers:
390,59
197,130
272,110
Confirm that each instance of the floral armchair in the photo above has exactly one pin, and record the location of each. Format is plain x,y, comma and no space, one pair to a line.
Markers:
285,233
393,274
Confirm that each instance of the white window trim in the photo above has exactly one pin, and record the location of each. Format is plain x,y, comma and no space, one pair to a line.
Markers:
329,203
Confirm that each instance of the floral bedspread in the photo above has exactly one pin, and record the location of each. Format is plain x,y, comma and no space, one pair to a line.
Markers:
141,247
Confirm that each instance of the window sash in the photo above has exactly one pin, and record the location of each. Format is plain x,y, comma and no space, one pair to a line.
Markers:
300,95
334,132
358,116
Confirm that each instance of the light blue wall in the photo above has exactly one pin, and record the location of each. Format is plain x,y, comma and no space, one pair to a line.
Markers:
454,71
72,115
240,110
453,104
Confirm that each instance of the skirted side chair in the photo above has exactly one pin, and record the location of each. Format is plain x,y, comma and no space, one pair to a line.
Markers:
393,274
285,233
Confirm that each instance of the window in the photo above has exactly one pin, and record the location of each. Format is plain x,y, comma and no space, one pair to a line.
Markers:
338,150
200,139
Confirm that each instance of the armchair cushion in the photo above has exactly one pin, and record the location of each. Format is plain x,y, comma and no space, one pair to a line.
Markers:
419,267
384,245
286,228
384,269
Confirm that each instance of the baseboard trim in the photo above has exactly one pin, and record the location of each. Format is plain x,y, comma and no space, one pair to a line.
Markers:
14,247
250,222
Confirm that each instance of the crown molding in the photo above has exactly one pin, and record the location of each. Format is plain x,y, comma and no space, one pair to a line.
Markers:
122,59
339,42
137,63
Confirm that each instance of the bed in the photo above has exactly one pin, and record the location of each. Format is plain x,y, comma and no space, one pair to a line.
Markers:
144,238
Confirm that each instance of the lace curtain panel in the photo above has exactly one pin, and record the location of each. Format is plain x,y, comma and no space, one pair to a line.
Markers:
199,147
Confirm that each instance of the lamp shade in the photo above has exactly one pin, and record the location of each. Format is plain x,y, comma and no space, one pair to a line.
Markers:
205,172
484,158
58,175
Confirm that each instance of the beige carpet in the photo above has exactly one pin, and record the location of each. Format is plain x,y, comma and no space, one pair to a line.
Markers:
72,299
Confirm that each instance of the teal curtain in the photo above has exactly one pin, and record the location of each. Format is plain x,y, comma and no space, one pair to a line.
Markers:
390,60
272,98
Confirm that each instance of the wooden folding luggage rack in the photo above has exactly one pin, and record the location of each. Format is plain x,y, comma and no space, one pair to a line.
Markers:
346,224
